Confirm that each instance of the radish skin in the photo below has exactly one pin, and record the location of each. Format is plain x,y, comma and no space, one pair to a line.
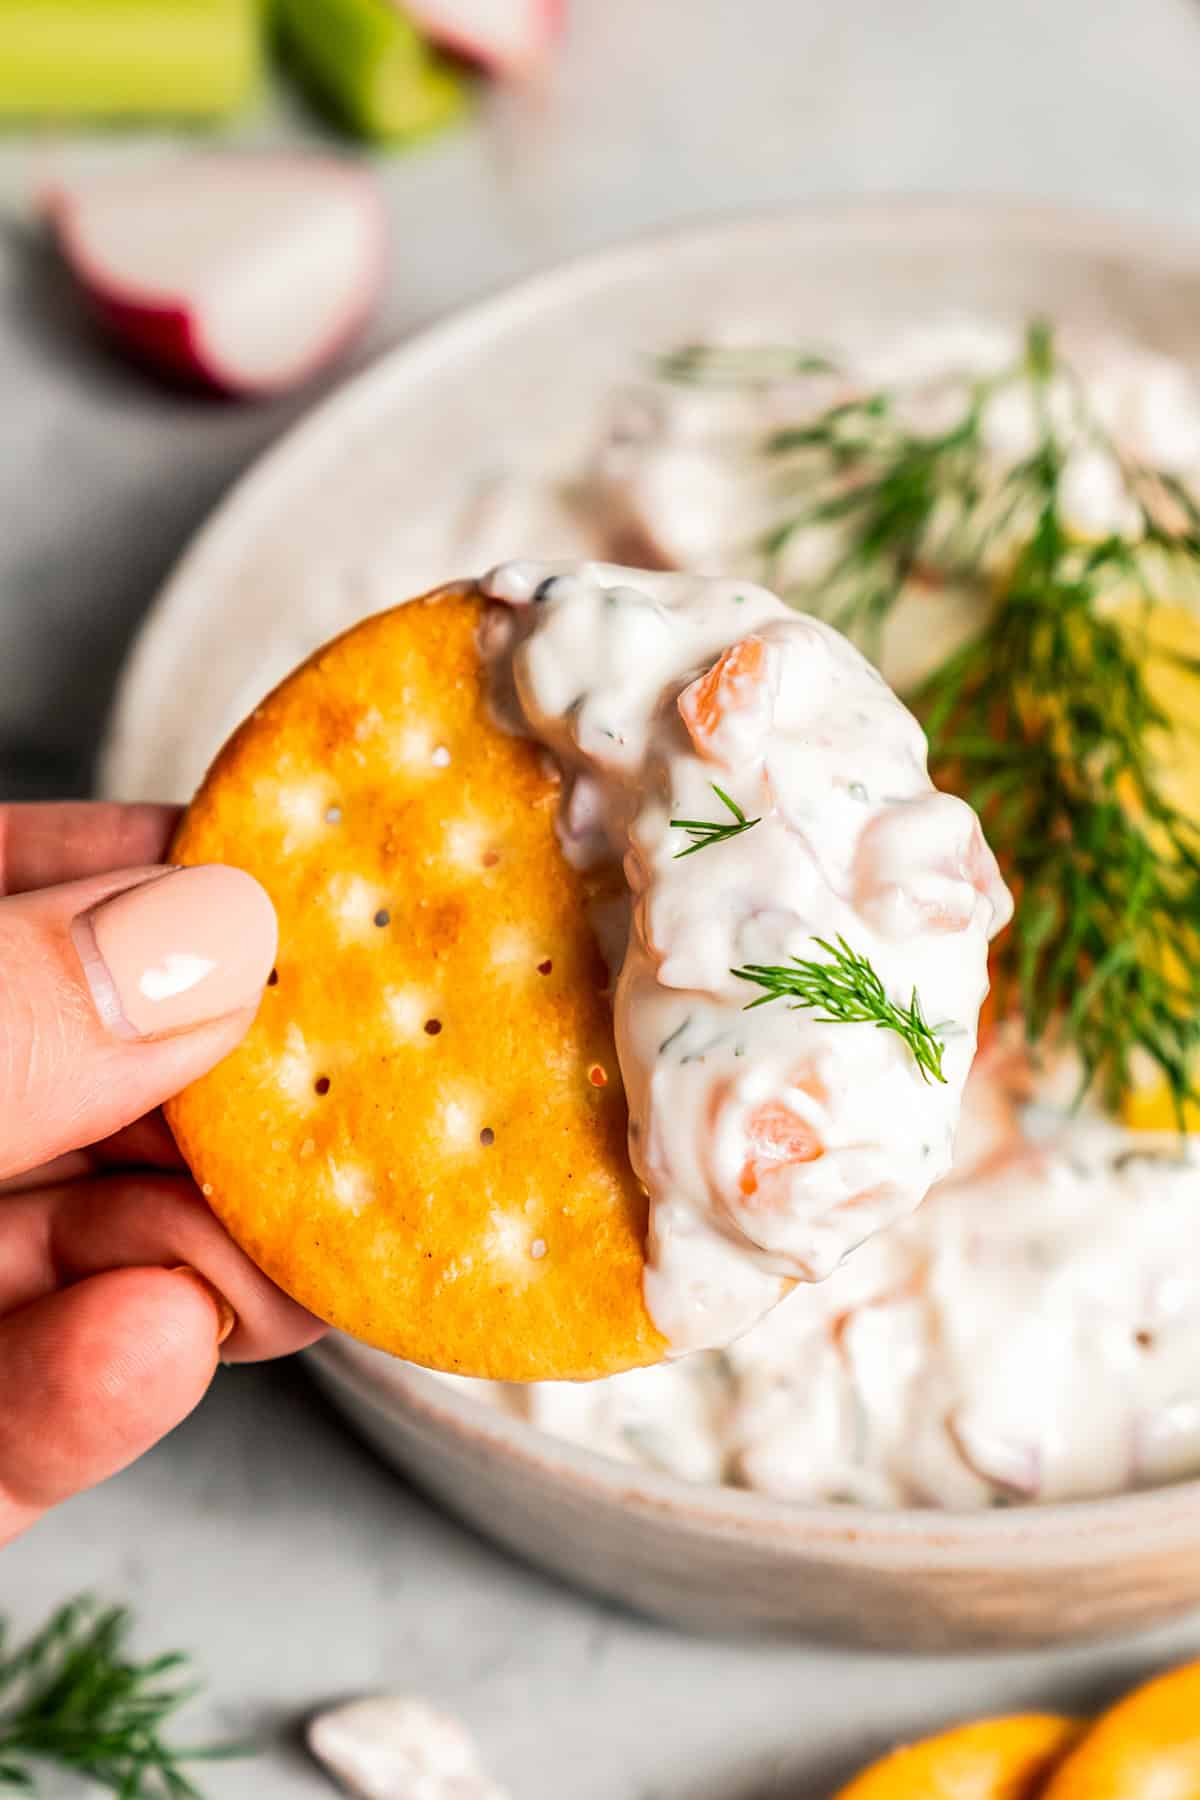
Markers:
245,274
505,37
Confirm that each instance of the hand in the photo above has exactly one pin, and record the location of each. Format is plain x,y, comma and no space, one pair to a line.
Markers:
117,1284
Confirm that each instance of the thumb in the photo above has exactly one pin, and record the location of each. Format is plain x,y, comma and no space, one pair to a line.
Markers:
117,991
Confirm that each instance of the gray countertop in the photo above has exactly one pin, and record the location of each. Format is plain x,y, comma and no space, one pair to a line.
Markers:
300,1569
262,1536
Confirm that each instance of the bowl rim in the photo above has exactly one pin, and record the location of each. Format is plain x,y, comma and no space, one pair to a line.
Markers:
842,1529
890,219
1064,1530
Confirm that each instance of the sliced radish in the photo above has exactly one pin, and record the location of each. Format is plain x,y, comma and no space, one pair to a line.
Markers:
242,272
507,37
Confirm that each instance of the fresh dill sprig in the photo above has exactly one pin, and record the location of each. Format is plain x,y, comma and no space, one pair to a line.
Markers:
1104,864
848,989
735,365
704,832
70,1697
1043,718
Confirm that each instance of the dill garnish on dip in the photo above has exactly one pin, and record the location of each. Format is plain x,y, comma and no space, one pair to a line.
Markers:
1003,518
847,988
1059,712
771,1140
703,832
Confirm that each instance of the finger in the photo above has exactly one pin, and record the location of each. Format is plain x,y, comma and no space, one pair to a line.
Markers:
72,1165
55,1236
146,1144
115,992
91,1377
43,845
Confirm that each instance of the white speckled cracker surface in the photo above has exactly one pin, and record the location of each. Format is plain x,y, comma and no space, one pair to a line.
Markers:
422,1138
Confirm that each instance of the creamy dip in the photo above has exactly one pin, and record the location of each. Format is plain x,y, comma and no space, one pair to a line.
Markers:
1100,1290
771,1139
1032,1333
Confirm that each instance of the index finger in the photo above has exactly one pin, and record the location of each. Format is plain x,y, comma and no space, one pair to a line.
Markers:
57,1236
43,844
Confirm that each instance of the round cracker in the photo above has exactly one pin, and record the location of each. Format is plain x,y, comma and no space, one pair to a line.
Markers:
423,1136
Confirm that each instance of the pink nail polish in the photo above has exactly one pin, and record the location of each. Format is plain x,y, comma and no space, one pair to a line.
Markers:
177,951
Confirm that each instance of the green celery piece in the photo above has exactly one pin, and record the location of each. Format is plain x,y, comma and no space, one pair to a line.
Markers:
367,63
111,59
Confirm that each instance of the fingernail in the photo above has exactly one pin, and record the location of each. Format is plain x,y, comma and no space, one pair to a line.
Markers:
226,1317
178,950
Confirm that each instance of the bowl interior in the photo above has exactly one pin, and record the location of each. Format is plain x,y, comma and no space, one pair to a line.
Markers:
355,508
1049,1537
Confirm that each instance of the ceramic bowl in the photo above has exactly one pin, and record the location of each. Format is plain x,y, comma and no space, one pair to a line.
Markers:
354,510
721,1559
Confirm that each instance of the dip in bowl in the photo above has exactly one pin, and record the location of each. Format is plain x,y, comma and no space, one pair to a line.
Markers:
915,1549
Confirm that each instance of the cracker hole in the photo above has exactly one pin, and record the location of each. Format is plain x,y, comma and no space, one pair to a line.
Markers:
487,1137
537,1249
321,1084
544,968
490,858
273,978
383,916
333,815
1144,1340
598,1076
441,757
432,1027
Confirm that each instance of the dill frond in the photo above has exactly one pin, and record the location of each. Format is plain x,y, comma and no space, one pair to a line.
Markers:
843,990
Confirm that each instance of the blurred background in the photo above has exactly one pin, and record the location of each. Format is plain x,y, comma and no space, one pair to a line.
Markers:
167,310
558,131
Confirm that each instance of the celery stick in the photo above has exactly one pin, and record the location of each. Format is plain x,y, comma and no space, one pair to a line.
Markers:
101,59
365,61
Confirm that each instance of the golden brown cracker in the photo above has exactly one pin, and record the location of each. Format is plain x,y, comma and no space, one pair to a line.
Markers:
422,1137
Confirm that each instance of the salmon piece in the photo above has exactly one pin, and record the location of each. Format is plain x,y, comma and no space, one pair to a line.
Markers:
778,1137
736,683
974,865
923,864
